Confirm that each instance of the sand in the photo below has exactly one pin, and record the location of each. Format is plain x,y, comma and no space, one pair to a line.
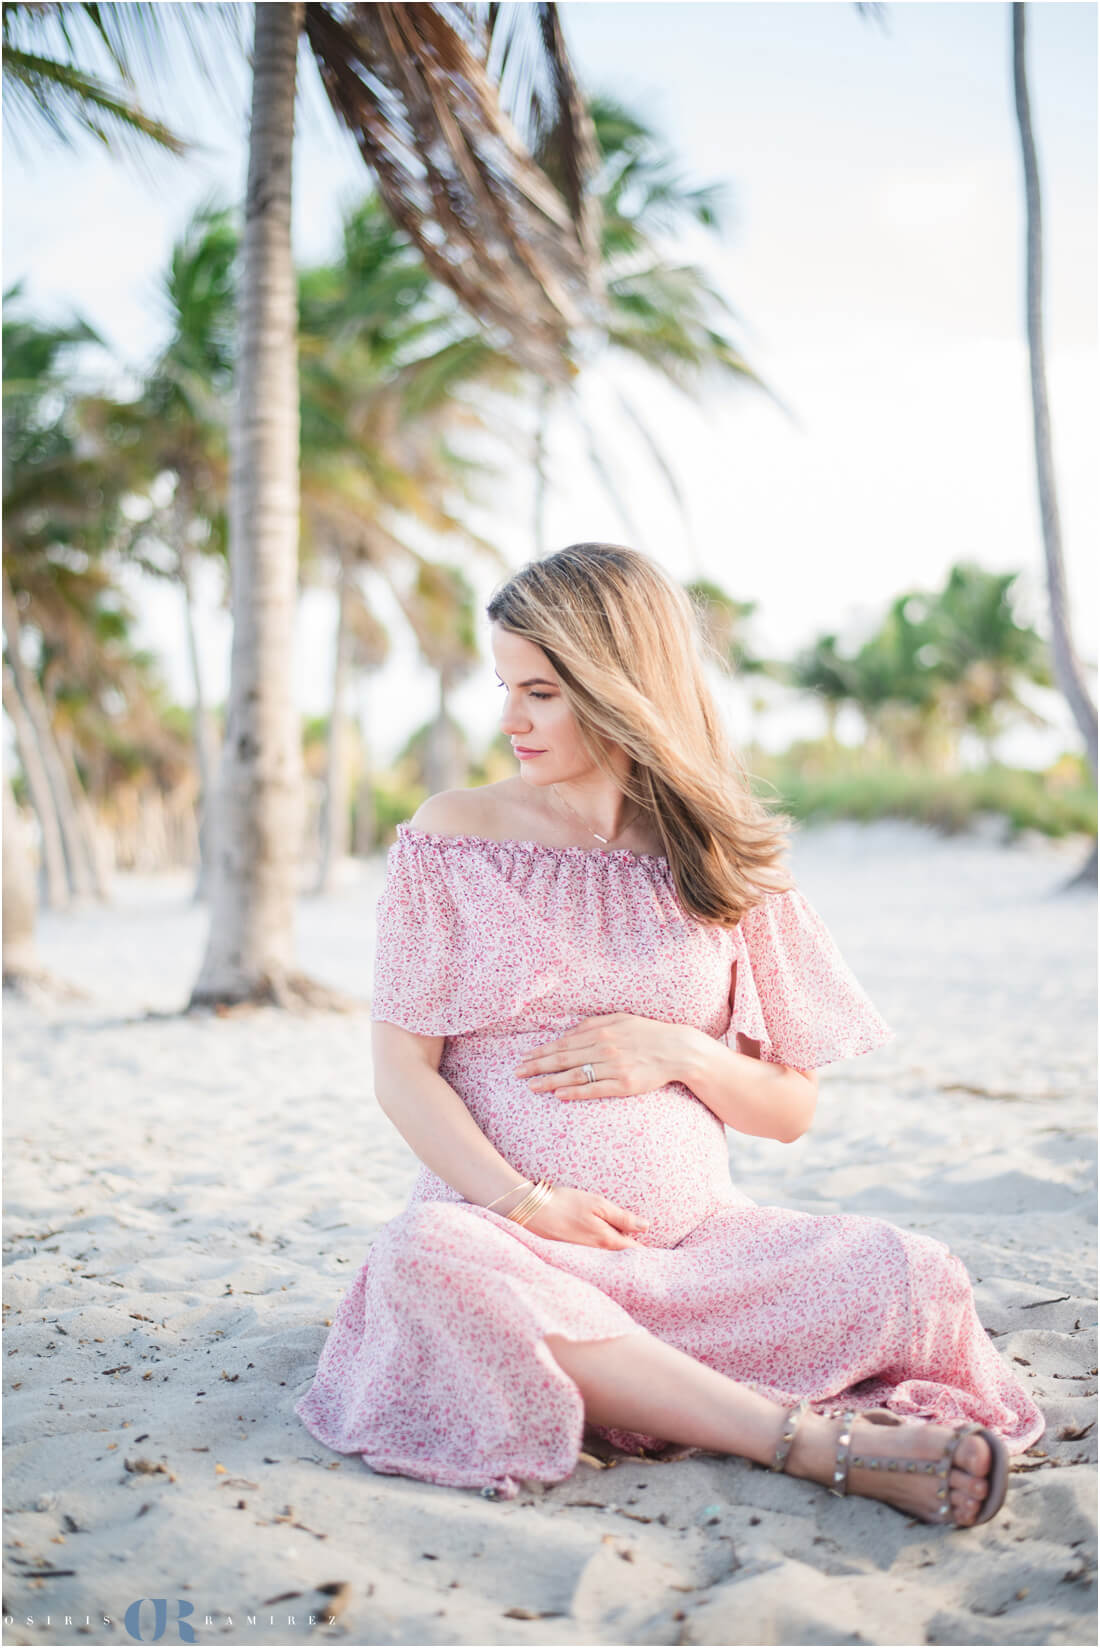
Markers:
186,1201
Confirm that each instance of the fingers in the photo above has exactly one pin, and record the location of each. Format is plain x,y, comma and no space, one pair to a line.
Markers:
606,1089
624,1226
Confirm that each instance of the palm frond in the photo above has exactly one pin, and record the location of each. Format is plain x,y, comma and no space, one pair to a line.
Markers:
526,56
54,92
52,84
409,82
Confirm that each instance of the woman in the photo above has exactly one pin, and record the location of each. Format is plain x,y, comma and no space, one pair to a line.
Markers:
583,975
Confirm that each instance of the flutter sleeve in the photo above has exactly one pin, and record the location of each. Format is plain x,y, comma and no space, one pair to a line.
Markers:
793,992
454,948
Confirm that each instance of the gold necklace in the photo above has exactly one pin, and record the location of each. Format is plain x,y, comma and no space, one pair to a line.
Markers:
605,839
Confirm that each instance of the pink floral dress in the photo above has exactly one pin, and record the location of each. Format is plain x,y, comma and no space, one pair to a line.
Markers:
435,1365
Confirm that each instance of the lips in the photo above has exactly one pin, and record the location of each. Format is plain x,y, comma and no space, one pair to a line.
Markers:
518,749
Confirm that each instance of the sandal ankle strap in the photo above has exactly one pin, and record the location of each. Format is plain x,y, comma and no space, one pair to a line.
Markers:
790,1425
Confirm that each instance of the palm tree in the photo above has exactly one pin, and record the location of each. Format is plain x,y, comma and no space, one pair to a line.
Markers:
822,670
386,360
20,960
176,429
980,652
411,83
60,510
1067,667
938,664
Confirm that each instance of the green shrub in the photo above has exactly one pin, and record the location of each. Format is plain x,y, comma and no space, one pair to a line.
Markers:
1058,802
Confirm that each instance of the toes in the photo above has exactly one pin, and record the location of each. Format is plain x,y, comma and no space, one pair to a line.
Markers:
964,1506
962,1482
970,1478
968,1487
974,1455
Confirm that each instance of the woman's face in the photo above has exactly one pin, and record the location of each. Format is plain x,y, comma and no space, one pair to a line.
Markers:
535,713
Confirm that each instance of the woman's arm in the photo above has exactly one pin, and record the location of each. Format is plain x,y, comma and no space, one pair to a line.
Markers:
768,1101
433,1120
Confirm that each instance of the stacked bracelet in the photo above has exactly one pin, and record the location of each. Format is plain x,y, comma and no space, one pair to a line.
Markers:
531,1203
511,1192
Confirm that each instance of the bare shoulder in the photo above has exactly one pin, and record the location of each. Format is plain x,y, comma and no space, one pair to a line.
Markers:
480,811
451,812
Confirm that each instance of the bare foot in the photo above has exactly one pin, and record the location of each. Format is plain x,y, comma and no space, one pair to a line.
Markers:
813,1455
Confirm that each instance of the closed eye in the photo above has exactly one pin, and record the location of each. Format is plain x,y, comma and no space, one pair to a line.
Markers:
533,694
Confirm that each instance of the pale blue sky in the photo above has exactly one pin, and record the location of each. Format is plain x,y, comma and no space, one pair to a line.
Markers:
874,255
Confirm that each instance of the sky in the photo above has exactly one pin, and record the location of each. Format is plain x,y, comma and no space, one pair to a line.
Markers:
873,255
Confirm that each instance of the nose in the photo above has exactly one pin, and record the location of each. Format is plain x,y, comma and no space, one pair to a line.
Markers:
512,723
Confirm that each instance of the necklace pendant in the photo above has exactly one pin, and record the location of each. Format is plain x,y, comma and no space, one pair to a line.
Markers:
600,837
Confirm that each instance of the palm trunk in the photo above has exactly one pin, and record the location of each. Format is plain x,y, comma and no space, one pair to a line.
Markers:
79,867
258,810
1067,668
20,960
204,748
54,876
334,814
91,837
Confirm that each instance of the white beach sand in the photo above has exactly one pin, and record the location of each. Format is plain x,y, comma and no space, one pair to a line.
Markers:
166,1177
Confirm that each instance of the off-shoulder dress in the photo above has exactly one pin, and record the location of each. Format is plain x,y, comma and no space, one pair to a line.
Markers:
435,1365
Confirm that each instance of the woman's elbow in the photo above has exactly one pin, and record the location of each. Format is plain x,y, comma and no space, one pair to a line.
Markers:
805,1107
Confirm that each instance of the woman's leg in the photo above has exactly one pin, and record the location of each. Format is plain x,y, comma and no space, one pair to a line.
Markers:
637,1382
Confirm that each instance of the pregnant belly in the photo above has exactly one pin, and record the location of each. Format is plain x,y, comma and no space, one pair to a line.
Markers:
661,1155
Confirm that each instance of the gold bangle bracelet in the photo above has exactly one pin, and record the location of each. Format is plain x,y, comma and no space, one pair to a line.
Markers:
527,1213
511,1192
525,1205
532,1202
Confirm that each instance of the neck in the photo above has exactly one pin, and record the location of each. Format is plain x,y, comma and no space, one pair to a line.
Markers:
599,814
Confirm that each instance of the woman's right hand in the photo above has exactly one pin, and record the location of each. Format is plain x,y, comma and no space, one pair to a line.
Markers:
571,1215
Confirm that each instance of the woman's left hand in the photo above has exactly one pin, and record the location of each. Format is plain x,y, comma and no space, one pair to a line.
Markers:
629,1054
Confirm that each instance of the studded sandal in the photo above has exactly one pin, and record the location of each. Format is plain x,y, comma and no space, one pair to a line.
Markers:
998,1470
845,1459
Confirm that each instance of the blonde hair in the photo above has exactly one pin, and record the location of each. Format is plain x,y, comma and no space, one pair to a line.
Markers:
629,646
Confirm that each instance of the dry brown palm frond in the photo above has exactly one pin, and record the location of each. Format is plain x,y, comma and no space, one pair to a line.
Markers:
576,151
410,84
